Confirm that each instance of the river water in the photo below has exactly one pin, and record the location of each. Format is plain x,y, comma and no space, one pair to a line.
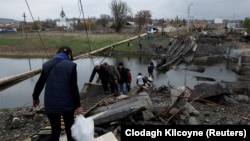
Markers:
19,94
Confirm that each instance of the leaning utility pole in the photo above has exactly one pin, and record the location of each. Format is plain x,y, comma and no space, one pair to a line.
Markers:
188,17
24,25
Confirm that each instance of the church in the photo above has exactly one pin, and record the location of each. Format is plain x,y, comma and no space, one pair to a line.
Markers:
63,21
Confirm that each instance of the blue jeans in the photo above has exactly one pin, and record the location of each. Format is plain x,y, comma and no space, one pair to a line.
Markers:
122,87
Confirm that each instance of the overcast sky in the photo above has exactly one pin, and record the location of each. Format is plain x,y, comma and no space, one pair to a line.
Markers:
199,9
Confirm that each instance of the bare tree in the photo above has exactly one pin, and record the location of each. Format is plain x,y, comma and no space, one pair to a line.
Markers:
119,11
48,23
142,18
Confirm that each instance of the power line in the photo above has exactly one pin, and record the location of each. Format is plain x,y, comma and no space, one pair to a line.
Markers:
85,26
37,30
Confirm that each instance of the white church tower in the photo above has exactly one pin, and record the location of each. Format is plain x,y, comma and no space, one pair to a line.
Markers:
62,22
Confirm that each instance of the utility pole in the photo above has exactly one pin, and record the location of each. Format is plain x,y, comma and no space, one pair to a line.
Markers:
188,17
89,24
24,25
38,24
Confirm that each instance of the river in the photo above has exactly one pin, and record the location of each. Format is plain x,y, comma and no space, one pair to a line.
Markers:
19,94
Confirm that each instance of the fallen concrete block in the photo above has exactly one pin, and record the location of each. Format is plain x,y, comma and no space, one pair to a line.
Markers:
120,109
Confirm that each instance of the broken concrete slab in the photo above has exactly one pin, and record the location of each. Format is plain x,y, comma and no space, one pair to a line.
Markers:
121,109
147,115
180,96
205,90
192,121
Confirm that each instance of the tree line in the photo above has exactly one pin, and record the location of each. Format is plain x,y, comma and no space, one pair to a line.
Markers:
121,13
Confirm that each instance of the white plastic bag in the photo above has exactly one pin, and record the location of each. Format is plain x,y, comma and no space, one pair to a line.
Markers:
83,129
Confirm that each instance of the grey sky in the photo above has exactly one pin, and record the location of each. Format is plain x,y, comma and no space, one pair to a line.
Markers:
201,9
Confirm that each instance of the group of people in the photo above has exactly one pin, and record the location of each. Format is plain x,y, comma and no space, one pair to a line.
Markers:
118,78
61,96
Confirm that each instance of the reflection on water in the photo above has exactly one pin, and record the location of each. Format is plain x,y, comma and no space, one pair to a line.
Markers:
13,66
20,94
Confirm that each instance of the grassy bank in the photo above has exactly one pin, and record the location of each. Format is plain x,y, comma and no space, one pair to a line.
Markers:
18,44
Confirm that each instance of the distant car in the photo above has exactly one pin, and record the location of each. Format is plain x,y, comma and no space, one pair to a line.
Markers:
8,30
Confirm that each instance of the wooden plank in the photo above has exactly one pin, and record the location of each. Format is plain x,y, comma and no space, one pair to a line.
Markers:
18,77
108,47
91,89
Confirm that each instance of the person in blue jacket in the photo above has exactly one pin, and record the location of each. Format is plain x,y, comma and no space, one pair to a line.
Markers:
61,97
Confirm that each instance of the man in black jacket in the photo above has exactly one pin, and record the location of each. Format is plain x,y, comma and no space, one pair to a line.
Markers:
151,68
104,76
61,96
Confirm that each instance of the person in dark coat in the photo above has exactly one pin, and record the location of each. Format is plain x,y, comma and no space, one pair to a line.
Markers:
151,68
123,81
113,70
140,42
61,97
104,75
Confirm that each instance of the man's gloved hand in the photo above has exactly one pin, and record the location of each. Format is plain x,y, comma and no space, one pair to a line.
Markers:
36,102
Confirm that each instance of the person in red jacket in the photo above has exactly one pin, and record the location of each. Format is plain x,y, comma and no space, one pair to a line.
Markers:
129,80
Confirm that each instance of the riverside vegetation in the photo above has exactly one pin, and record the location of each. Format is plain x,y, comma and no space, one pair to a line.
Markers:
17,45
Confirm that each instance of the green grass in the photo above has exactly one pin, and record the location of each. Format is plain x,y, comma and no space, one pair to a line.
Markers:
77,41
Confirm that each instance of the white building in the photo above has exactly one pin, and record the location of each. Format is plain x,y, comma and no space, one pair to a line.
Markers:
65,22
62,22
